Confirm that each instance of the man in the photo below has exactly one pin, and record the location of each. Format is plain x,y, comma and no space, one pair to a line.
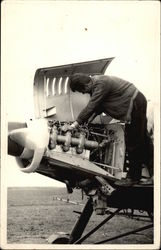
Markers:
123,101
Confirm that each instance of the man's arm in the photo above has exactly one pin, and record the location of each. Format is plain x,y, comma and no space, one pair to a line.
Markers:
98,95
100,91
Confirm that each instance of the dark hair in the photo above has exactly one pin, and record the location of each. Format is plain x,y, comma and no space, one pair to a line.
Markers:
78,81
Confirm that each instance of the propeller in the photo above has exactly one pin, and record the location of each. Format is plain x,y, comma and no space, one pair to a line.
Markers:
34,140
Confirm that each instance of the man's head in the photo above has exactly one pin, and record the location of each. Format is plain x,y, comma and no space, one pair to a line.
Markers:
80,82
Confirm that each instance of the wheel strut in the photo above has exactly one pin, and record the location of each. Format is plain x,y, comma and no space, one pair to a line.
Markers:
125,234
97,227
82,222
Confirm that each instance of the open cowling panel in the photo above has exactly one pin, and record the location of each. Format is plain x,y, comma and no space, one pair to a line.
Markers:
52,95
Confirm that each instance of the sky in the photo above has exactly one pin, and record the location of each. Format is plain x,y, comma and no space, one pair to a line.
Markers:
39,34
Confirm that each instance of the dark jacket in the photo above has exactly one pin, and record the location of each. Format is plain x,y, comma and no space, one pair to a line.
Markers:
109,94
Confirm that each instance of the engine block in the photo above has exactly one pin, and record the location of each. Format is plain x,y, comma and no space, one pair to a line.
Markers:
101,144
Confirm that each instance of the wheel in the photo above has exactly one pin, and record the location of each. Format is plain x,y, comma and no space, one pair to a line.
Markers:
60,238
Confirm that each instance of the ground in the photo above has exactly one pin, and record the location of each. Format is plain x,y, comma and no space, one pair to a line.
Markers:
33,214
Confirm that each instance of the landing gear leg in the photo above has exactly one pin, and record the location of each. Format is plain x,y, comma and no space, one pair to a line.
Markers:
82,222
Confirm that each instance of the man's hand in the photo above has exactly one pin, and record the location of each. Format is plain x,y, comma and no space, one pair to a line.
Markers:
67,127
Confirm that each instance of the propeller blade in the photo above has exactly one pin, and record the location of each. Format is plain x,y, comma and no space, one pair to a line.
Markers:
33,137
14,149
19,136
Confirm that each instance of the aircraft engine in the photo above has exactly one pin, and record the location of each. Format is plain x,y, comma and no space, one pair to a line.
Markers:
100,141
102,145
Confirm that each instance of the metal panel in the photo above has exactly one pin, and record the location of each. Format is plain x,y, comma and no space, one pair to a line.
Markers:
52,94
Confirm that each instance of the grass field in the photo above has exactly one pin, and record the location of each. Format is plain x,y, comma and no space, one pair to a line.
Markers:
33,214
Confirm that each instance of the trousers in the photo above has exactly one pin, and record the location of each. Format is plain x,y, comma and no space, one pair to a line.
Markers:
139,145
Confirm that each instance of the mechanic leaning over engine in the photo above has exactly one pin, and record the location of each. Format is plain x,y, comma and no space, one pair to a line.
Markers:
123,101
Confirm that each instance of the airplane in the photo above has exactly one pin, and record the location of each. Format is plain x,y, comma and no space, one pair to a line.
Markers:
90,158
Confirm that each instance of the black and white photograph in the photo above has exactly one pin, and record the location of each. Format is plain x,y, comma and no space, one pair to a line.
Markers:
80,124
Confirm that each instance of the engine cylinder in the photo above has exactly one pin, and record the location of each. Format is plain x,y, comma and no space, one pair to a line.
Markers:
68,140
